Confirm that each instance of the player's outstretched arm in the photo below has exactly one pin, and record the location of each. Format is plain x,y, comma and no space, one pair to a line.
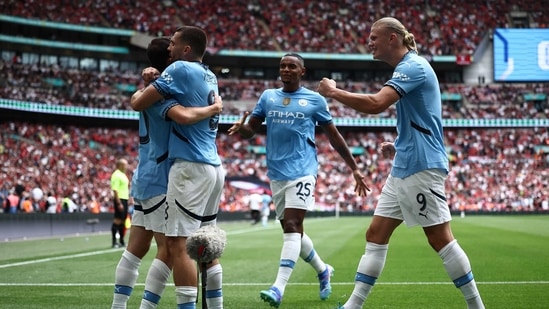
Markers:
144,98
237,126
338,142
364,103
246,130
191,115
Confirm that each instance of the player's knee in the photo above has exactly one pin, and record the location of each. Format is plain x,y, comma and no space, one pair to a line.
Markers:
293,226
376,236
175,245
437,243
438,236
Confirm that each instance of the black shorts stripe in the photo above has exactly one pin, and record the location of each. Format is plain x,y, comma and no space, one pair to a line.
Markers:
440,196
156,206
195,216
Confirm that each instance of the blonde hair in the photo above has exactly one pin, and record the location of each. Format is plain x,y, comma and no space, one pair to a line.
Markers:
395,25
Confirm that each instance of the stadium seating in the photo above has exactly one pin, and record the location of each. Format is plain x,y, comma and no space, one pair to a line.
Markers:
440,27
57,86
491,169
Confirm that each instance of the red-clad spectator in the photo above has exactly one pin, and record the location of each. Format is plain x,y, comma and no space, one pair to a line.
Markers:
495,169
12,203
442,27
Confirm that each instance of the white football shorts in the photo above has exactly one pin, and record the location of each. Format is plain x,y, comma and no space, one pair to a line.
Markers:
194,193
419,199
298,193
150,213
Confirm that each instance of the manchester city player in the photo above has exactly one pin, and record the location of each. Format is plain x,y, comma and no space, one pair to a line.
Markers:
291,114
196,178
414,192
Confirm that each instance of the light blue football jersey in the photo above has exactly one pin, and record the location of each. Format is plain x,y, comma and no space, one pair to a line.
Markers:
291,119
420,142
191,84
151,175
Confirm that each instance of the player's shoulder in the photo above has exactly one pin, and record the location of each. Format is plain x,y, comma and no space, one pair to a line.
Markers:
175,69
413,62
270,93
180,66
175,64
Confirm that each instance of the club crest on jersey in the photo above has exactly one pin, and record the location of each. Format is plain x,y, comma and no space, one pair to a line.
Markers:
302,102
286,101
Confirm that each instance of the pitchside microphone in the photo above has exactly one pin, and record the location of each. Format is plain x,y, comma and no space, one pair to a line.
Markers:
204,246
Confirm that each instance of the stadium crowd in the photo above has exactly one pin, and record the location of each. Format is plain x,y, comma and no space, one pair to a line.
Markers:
33,83
441,27
491,169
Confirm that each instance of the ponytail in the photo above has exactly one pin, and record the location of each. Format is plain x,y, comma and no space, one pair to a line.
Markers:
409,41
395,25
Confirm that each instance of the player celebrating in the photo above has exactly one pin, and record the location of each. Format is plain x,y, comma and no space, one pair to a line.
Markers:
414,191
292,113
196,177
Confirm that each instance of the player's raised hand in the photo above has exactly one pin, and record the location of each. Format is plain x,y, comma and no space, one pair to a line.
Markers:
361,187
149,74
237,125
325,86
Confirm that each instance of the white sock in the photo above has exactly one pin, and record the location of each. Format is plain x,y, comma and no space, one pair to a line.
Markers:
288,257
369,269
214,293
308,254
125,276
458,267
186,297
157,277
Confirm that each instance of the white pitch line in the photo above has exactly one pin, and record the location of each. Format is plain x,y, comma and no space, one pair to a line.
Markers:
57,258
302,284
64,257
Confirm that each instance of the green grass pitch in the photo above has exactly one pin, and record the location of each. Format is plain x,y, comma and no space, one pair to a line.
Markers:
509,255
